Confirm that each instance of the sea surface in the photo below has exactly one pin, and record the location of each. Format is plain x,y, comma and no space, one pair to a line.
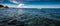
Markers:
30,17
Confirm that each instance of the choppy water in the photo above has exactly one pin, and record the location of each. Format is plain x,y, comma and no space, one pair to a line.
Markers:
30,16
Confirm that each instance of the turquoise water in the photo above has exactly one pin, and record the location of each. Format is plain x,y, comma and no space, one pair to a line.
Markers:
29,15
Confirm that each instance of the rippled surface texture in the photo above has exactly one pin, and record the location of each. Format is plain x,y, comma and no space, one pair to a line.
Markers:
30,17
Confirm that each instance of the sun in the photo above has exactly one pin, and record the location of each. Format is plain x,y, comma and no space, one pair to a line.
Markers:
21,5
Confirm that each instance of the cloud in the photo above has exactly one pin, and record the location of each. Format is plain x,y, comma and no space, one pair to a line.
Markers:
42,6
14,1
21,5
1,1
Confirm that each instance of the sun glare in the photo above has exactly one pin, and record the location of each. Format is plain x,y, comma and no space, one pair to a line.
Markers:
21,5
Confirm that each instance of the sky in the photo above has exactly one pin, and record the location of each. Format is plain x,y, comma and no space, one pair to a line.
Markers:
31,3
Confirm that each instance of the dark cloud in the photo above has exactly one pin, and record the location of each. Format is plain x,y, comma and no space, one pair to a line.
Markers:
1,0
51,0
40,0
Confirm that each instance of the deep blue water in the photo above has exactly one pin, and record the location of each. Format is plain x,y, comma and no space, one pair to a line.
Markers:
29,15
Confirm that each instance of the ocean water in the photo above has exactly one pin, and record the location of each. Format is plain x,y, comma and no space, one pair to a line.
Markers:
30,17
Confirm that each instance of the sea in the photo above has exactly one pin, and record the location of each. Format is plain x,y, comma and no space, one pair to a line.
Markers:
30,17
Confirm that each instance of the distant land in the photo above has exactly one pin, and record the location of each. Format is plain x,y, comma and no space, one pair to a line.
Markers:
2,6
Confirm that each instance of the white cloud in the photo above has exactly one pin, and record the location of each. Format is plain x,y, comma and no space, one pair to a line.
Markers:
42,6
14,1
21,5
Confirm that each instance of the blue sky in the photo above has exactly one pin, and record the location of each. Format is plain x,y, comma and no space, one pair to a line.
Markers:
32,3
